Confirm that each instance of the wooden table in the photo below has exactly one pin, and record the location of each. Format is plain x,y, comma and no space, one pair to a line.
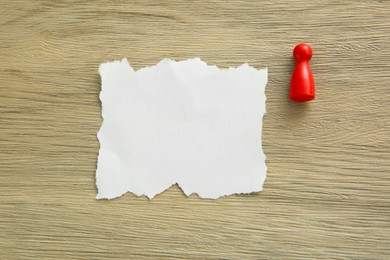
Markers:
327,191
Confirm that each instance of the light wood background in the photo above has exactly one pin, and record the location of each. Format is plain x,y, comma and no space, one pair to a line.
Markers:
327,193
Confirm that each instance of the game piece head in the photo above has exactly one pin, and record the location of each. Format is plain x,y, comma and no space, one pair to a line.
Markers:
302,52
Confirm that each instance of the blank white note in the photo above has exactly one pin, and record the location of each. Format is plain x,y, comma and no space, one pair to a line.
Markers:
181,122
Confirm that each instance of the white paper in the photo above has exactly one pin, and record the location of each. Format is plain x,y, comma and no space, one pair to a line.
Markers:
181,122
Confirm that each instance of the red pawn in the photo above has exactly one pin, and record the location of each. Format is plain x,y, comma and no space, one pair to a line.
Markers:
302,81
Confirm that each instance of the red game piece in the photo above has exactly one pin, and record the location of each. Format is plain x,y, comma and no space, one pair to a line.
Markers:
302,81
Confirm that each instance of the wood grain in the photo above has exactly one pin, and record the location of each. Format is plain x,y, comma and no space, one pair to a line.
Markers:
327,191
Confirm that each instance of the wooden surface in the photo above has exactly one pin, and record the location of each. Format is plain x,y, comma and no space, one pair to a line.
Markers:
327,190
